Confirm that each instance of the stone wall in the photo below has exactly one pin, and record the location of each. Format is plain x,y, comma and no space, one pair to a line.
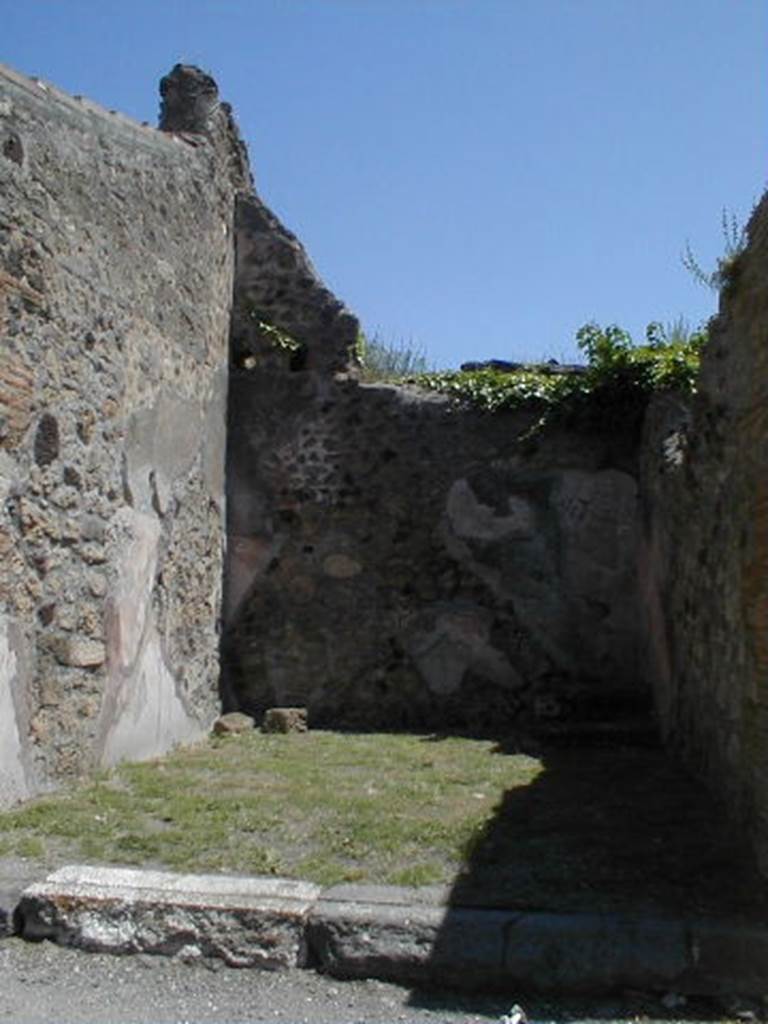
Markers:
393,560
116,245
277,287
397,562
705,556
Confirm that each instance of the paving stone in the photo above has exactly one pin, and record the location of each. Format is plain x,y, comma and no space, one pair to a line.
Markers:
407,941
728,958
594,952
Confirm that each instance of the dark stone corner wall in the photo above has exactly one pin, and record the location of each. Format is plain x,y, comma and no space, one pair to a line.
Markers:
704,563
394,561
397,562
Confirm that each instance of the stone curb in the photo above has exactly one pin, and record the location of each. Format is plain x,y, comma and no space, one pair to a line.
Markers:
410,936
15,876
247,922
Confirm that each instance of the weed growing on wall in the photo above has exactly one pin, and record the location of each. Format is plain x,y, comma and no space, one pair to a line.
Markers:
612,390
734,243
263,339
380,360
276,337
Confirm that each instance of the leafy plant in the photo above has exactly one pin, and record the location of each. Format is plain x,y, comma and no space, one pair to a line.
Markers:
361,346
276,337
611,392
258,338
604,347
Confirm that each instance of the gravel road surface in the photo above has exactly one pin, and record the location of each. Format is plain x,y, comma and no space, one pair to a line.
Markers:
44,984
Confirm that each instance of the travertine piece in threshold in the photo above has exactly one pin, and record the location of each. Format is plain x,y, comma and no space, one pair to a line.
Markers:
247,922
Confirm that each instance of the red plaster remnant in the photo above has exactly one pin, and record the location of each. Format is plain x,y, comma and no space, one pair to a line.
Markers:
9,283
16,378
16,400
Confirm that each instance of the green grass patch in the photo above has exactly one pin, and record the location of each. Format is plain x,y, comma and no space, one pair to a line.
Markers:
581,829
323,806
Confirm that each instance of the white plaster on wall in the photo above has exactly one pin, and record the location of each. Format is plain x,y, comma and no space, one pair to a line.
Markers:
471,519
143,714
150,718
138,535
13,782
460,641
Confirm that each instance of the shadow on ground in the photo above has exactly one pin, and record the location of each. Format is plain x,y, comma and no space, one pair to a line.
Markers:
611,828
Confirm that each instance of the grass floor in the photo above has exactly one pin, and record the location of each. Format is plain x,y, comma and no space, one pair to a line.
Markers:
604,828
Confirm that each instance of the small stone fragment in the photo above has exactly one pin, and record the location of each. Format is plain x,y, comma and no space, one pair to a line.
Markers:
285,720
46,440
233,723
80,652
97,584
93,553
516,1015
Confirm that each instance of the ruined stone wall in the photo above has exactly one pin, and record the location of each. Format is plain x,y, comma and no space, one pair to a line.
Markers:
277,287
116,246
397,562
393,560
705,556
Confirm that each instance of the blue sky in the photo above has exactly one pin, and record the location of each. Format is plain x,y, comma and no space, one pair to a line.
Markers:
476,177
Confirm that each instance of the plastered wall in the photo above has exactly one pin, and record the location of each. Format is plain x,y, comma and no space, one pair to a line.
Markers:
116,254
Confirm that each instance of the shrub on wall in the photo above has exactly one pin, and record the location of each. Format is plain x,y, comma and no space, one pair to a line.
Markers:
611,390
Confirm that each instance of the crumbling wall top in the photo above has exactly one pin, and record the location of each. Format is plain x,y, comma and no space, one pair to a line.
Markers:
190,104
189,100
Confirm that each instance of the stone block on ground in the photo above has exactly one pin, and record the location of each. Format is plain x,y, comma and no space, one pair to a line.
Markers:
247,922
285,720
233,723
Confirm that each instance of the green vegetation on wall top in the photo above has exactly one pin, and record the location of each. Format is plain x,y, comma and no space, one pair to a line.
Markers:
612,389
380,360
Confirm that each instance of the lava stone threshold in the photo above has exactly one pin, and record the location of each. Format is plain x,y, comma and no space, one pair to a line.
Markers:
410,936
